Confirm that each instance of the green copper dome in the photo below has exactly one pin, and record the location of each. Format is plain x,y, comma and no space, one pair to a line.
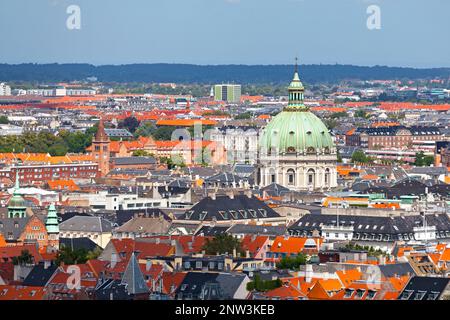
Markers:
296,129
17,201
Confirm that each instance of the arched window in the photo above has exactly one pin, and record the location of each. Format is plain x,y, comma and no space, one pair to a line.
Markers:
311,177
327,176
273,177
326,150
291,176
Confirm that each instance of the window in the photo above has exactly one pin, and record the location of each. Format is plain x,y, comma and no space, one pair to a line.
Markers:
291,176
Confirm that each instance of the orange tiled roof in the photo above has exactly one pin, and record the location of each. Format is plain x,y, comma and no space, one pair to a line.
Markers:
63,185
253,244
290,245
11,292
185,122
287,291
347,277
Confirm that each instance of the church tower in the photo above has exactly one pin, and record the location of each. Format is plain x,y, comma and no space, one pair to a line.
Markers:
52,226
100,153
17,206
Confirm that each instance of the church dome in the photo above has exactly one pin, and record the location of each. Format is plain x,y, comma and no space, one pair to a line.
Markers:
17,201
296,129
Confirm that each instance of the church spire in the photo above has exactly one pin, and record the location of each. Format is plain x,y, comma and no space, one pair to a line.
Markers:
296,92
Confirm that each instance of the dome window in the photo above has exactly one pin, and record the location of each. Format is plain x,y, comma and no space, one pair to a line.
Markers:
291,150
311,150
308,132
327,150
292,133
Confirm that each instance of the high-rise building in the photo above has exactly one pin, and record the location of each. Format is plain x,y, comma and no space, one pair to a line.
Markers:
227,92
5,90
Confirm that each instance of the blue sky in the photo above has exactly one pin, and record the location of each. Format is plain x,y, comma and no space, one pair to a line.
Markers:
413,32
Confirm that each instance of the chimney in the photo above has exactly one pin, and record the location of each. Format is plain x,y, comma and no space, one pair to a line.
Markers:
157,240
248,193
113,260
213,196
308,273
247,253
234,253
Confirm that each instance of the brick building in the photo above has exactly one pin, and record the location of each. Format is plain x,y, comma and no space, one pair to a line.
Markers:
391,137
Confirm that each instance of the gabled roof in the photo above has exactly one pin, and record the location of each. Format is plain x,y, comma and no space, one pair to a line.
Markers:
292,245
78,243
145,225
13,292
134,161
40,275
257,229
86,224
225,208
275,190
133,278
396,269
424,288
13,227
287,291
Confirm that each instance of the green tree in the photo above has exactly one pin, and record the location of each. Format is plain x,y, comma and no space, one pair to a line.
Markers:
4,120
163,133
141,153
68,256
361,114
337,115
423,160
292,262
359,156
25,258
243,116
223,243
263,285
146,129
130,123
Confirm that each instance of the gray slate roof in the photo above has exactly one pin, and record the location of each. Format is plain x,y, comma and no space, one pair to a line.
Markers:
258,230
134,161
133,278
8,226
86,224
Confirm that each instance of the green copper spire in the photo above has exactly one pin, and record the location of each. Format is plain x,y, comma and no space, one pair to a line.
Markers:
51,223
17,206
296,92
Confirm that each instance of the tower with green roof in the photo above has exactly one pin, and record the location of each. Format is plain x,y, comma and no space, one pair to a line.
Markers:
296,149
17,207
52,226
